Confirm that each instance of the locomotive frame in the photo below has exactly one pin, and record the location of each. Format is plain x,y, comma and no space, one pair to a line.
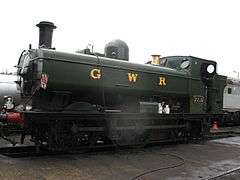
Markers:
71,131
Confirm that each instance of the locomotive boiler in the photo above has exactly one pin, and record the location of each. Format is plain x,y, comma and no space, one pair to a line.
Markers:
88,98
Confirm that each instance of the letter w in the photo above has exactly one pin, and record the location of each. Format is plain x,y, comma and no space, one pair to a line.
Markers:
132,77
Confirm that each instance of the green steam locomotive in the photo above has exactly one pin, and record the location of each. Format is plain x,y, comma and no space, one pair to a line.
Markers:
82,99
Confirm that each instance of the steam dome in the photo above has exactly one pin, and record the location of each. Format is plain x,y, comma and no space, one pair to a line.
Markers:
117,49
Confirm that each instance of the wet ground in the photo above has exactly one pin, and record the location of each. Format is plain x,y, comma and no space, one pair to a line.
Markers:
170,162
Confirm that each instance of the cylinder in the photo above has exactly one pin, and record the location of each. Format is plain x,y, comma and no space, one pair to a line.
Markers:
45,34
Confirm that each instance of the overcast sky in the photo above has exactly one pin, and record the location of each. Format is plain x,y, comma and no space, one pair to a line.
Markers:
205,28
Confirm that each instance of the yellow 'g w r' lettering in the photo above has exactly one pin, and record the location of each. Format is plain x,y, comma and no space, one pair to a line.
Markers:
132,77
95,74
162,81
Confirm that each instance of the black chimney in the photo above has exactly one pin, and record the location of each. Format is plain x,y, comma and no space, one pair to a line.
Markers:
45,34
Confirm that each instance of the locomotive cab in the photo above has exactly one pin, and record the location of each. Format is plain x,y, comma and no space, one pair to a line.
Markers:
205,85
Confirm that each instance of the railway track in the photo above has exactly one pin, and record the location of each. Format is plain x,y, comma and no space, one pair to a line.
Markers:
219,135
223,174
19,151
